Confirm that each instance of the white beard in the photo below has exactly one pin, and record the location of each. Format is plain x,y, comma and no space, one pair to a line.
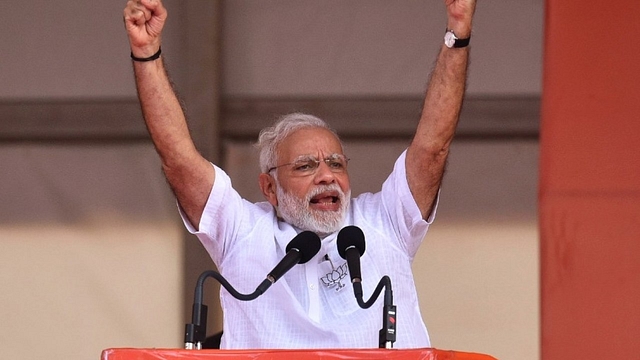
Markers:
298,213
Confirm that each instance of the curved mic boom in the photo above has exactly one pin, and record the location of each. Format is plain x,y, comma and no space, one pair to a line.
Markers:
300,249
351,247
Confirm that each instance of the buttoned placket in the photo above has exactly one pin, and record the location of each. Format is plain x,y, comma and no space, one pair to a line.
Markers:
311,273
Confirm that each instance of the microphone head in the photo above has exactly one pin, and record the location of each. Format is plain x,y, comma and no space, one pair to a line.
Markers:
350,236
307,243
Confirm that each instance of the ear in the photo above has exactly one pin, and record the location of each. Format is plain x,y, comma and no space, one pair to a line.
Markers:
268,187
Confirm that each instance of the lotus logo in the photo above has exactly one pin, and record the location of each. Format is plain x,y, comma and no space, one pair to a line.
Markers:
333,278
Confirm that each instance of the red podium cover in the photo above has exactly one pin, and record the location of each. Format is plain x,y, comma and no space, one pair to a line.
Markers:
269,354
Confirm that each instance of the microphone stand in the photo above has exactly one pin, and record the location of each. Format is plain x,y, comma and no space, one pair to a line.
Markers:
196,331
387,335
300,249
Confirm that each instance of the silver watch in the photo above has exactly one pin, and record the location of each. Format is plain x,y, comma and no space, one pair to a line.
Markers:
452,41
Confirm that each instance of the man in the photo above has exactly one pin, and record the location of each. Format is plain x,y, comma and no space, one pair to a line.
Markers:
306,184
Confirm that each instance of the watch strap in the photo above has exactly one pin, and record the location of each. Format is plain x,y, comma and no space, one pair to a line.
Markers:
459,43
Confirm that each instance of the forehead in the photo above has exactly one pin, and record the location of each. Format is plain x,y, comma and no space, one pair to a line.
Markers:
309,141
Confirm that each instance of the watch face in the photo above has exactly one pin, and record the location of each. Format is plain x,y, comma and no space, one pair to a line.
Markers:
449,39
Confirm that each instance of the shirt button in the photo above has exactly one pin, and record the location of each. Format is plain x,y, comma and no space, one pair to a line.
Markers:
312,286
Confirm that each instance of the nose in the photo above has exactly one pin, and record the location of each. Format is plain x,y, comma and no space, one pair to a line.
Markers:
324,175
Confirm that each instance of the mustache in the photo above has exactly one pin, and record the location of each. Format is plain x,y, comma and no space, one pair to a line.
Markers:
324,188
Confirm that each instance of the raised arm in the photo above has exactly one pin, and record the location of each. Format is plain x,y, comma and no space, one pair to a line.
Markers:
190,175
427,154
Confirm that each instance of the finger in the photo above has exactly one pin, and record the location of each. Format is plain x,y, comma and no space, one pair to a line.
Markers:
146,14
152,5
158,16
136,15
133,11
134,18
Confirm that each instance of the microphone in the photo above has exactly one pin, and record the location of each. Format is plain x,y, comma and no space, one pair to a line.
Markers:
351,247
300,249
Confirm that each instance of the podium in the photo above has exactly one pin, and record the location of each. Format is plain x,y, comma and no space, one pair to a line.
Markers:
271,354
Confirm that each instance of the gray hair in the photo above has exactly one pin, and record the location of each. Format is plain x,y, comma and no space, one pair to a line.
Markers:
272,136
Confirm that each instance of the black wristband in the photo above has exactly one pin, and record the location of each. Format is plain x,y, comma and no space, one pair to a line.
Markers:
150,58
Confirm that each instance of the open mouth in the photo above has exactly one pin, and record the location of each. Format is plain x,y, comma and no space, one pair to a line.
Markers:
325,199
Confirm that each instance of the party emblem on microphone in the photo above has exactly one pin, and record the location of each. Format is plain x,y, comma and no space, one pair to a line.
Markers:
333,277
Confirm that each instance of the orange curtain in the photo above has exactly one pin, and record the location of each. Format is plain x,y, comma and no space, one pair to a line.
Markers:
589,207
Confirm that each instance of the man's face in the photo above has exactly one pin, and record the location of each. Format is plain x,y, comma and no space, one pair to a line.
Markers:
312,195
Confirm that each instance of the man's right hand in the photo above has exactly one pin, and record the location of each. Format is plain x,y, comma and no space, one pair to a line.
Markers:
144,20
190,175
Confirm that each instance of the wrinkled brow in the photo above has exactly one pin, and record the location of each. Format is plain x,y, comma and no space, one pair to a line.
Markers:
314,158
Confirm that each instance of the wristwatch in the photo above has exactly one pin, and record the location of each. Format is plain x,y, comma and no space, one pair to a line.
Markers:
452,41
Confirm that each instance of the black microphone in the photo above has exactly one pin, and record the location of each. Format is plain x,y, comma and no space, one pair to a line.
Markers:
351,247
300,249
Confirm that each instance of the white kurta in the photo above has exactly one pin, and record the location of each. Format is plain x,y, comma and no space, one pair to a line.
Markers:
313,306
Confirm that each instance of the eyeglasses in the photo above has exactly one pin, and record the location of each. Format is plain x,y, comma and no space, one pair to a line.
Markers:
308,165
